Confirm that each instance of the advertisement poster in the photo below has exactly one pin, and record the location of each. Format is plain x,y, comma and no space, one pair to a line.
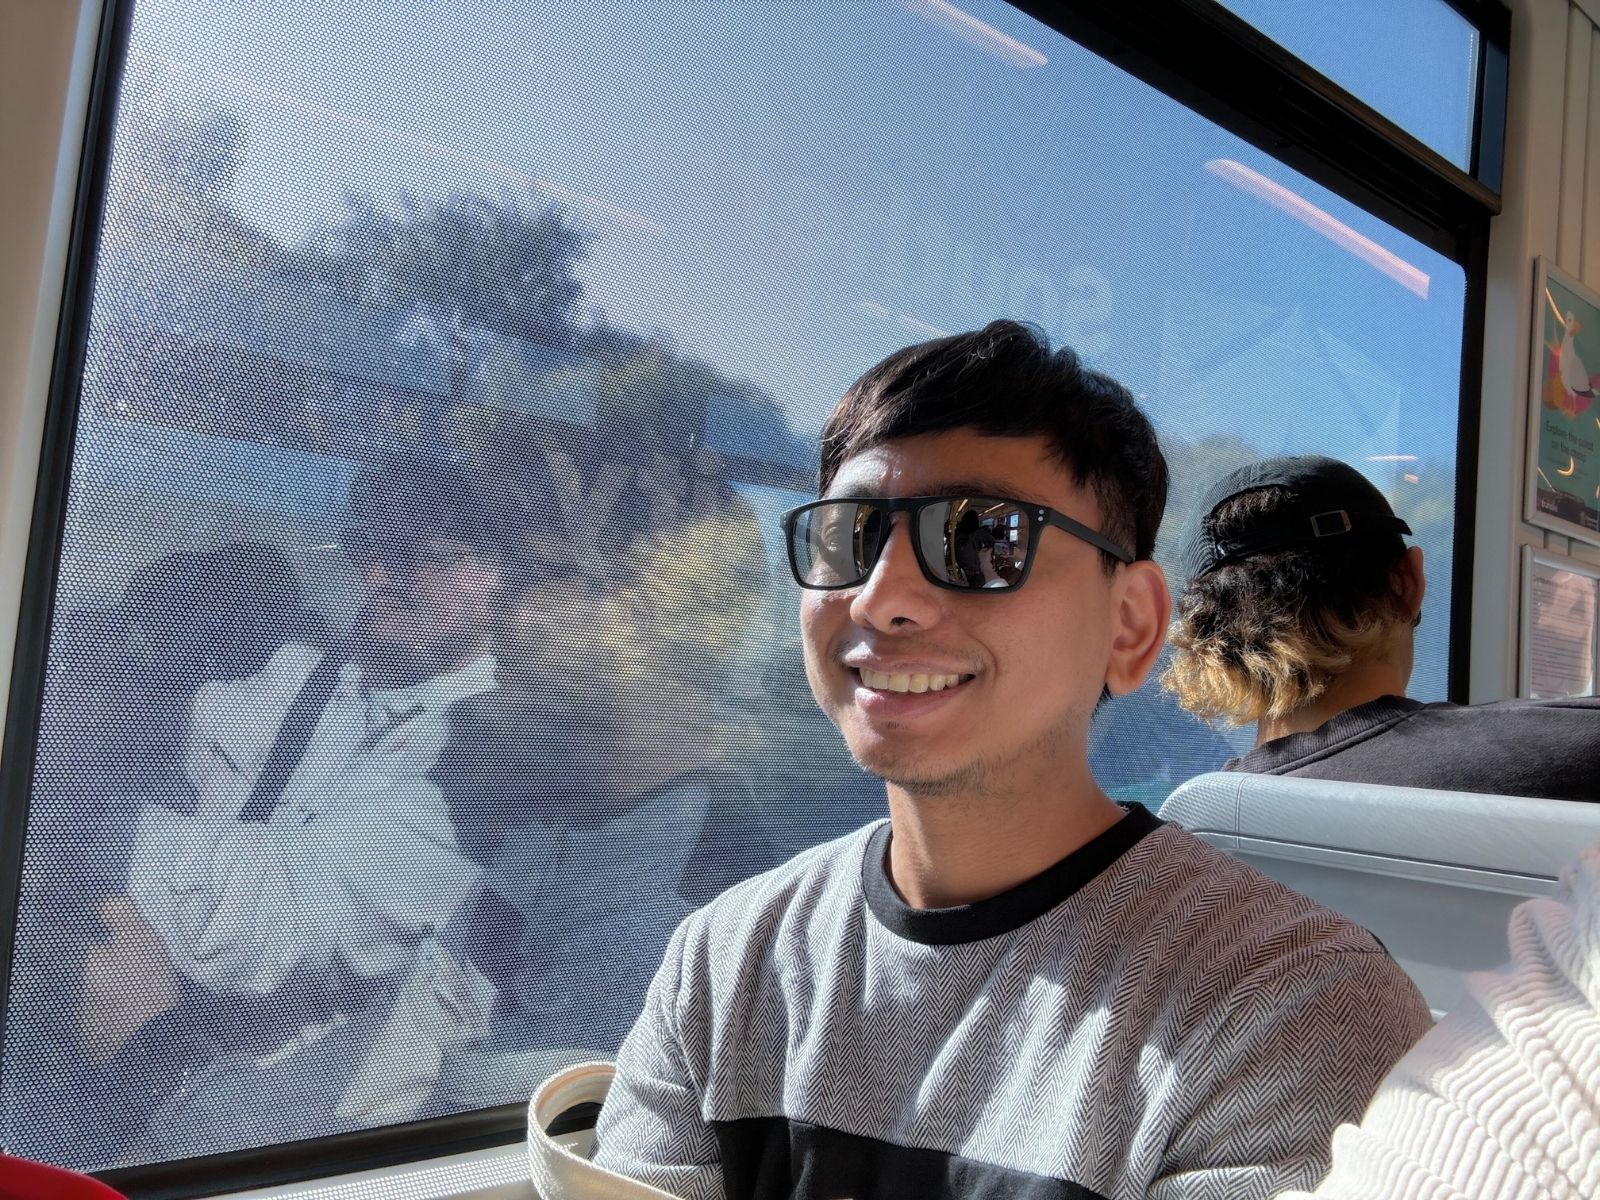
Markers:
1560,626
1564,432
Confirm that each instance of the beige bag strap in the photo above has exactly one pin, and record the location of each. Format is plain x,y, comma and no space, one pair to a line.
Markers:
560,1163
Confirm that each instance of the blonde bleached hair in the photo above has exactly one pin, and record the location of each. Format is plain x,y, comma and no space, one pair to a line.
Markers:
1264,636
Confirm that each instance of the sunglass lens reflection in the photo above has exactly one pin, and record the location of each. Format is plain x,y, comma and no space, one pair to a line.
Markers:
823,541
975,543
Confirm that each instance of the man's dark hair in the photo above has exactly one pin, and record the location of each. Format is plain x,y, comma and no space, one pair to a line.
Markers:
408,499
404,501
1005,380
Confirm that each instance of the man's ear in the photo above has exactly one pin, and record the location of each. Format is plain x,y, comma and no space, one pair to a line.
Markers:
1140,609
1409,583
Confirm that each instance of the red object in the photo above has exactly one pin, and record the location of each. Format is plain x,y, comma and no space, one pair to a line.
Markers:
23,1179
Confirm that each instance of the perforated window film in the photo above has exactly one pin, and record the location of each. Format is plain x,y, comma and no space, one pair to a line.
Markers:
423,646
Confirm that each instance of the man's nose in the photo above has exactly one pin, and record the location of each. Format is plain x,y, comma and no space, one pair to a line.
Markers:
896,594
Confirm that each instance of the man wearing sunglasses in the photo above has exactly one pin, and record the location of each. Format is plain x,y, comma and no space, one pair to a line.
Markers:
1013,987
303,891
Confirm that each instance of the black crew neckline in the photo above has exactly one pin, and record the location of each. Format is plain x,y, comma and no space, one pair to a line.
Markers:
1008,911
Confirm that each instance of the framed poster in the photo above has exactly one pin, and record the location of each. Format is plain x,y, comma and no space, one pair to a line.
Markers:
1560,654
1563,476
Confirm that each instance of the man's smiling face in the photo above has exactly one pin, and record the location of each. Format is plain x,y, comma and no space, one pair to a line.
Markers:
1030,663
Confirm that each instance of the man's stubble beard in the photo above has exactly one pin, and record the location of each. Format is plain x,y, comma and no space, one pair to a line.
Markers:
977,783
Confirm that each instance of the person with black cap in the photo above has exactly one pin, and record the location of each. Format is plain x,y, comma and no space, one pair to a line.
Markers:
1299,615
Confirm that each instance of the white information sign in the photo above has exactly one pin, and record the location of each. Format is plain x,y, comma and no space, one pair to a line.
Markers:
1560,626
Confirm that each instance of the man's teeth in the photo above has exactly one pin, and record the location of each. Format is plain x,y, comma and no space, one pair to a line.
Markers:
907,683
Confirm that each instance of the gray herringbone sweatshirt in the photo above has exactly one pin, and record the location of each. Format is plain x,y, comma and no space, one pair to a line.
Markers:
1147,1018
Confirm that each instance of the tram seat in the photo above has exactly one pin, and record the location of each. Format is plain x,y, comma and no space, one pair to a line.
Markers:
24,1179
1433,874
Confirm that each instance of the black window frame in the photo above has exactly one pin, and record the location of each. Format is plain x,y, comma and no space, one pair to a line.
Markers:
1200,54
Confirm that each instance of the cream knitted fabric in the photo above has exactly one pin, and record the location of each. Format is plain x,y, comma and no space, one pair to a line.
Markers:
1501,1101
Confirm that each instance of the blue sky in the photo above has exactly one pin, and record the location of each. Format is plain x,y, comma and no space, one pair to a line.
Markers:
795,189
1415,61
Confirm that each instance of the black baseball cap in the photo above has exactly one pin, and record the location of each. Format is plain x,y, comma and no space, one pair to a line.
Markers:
1326,500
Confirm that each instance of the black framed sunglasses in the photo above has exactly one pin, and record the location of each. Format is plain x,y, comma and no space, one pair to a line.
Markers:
965,543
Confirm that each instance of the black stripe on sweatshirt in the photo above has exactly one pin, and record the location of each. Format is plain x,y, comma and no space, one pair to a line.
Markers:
773,1158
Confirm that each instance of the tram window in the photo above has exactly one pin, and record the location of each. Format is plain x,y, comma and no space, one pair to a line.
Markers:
422,648
1377,50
